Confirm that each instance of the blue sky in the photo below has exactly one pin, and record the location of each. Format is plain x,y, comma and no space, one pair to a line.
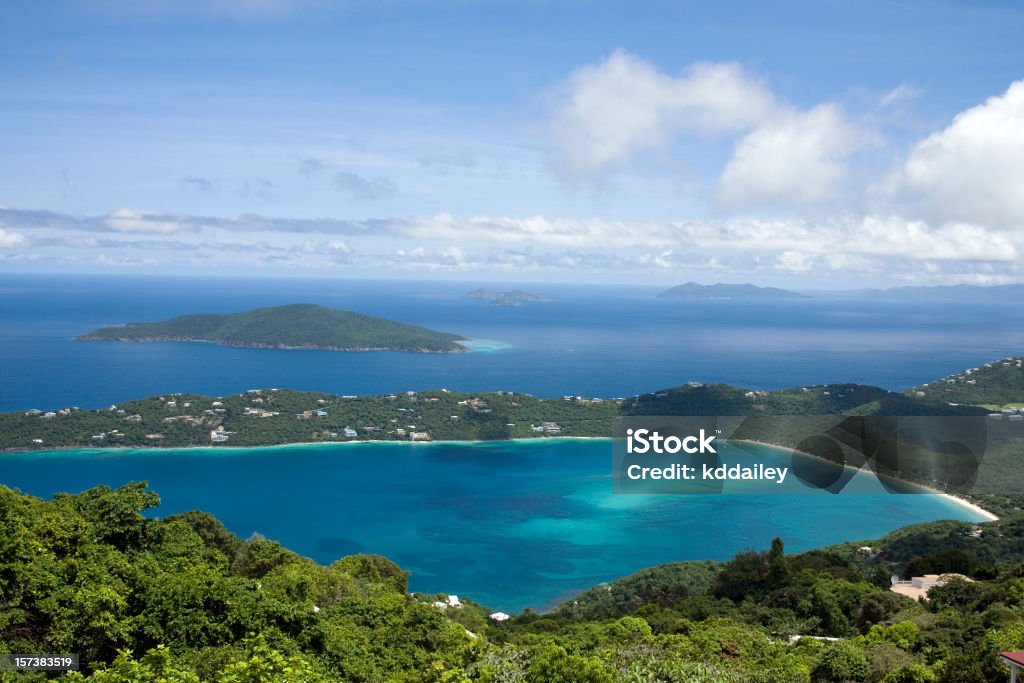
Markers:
818,144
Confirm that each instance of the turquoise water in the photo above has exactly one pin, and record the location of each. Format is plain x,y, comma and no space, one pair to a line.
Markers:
509,524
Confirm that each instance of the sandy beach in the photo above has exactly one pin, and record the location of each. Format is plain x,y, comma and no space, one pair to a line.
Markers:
961,502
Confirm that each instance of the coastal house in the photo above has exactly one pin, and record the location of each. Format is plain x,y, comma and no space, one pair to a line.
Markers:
498,616
918,586
419,436
453,601
350,433
49,415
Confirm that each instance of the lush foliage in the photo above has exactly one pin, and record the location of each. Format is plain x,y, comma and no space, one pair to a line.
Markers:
294,326
181,599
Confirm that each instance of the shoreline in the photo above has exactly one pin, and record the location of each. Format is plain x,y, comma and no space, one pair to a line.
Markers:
927,490
353,442
956,500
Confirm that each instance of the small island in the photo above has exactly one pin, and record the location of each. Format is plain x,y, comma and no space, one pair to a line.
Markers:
296,326
511,298
692,290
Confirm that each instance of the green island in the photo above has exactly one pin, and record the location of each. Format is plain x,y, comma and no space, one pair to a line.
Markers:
296,326
511,298
180,599
693,290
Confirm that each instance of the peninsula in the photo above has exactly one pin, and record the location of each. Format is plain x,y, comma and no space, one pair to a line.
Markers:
296,326
790,418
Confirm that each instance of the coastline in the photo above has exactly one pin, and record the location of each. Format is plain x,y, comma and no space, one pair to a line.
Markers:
927,490
291,444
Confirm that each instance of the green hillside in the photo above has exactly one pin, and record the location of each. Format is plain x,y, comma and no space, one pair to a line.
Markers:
181,599
297,326
997,383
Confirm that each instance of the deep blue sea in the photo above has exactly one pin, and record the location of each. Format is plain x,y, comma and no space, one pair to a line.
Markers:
511,525
592,341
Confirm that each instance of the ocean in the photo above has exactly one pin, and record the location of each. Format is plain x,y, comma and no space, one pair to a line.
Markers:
509,524
589,340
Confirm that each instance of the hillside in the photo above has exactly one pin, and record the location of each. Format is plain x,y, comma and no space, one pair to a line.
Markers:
692,290
272,416
181,599
297,326
994,384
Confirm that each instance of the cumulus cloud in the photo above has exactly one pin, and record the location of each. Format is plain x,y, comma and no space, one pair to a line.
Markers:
971,171
359,187
797,158
609,112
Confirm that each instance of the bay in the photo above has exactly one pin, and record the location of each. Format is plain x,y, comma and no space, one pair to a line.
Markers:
509,524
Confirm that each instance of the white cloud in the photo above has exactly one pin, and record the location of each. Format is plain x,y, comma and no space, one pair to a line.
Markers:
904,92
609,112
11,239
136,221
796,159
972,171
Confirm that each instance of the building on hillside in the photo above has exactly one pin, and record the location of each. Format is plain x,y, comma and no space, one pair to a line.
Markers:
918,586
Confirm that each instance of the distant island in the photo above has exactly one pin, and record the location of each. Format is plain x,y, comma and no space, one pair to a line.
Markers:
964,293
296,326
692,290
510,298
